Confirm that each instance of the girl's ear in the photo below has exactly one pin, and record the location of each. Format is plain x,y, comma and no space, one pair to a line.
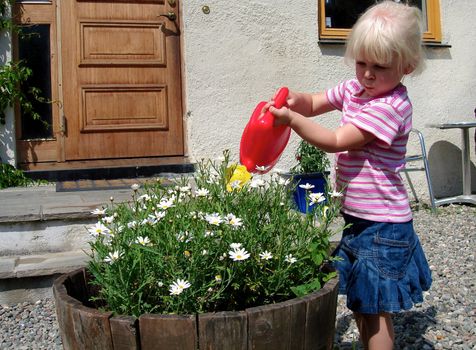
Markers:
408,69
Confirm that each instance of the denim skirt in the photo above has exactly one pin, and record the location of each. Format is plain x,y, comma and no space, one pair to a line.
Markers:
382,267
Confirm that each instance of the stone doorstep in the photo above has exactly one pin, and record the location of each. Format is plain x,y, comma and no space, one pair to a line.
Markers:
41,264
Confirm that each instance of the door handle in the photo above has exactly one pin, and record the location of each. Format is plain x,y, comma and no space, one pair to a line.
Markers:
170,15
63,125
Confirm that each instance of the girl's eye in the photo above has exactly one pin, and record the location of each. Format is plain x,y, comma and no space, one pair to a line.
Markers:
378,66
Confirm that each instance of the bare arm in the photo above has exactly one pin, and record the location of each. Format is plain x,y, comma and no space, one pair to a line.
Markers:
344,138
309,105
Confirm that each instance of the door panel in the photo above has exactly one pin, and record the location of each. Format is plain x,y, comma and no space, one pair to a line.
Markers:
115,108
127,43
121,80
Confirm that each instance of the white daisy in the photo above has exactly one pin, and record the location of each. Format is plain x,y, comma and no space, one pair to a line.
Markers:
144,198
202,192
151,220
256,183
307,186
108,219
135,187
132,224
158,215
165,204
98,229
234,221
239,254
265,255
99,211
316,198
335,194
145,241
214,219
178,287
262,168
113,257
185,189
290,259
184,237
283,182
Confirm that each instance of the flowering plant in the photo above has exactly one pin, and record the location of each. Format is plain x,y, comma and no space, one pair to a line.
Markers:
310,159
222,241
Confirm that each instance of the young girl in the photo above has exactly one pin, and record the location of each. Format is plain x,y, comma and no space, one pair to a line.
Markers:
382,269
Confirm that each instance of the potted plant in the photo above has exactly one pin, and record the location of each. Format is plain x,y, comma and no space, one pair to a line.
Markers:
219,261
309,175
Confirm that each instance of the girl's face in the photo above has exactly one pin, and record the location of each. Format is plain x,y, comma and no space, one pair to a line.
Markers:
377,79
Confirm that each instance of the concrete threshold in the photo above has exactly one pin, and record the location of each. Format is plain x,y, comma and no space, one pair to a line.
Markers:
29,278
41,264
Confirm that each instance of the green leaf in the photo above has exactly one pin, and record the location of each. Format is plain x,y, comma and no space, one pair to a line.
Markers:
329,276
305,289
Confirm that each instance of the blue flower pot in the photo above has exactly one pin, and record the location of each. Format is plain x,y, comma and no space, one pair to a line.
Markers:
318,180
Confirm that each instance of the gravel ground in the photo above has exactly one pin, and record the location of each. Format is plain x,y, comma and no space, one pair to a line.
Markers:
445,320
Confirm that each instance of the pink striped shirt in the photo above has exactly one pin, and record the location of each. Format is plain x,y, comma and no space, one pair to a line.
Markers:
369,177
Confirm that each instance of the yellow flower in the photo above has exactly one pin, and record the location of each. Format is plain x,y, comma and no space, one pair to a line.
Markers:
237,176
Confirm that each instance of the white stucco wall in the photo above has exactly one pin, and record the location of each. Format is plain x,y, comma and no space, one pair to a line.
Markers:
242,51
7,131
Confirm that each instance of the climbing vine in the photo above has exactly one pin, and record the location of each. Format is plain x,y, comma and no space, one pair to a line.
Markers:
14,74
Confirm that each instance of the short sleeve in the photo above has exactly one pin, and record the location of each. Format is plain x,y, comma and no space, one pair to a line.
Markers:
335,96
381,120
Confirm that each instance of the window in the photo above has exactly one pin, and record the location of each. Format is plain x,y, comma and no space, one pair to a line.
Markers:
336,17
34,52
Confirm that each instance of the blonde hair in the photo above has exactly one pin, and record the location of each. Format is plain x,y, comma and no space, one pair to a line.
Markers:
386,32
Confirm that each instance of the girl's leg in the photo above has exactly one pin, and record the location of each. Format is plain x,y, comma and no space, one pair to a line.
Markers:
376,331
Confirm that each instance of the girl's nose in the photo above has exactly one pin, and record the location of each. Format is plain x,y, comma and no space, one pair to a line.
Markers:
368,74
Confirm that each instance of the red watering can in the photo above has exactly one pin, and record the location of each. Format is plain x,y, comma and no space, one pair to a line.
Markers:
262,143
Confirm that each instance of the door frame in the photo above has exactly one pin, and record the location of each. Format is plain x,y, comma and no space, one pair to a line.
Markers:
48,154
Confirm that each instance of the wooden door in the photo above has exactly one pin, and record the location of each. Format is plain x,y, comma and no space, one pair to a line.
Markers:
121,80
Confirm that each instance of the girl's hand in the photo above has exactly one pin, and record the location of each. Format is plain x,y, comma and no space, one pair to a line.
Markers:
282,116
308,104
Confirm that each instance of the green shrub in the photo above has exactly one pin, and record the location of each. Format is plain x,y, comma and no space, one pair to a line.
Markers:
225,240
310,159
12,177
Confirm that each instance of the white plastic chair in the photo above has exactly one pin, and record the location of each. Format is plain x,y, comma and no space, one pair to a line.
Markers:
410,167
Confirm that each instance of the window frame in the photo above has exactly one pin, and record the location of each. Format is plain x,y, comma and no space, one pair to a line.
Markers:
47,149
432,35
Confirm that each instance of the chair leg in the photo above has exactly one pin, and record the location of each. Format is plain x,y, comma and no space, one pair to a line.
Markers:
410,183
427,170
430,188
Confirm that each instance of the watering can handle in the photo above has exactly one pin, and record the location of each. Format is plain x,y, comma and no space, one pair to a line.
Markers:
281,96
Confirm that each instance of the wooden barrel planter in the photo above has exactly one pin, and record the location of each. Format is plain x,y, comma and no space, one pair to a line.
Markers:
301,323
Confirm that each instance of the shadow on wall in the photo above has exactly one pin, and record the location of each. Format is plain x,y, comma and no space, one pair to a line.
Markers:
446,172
